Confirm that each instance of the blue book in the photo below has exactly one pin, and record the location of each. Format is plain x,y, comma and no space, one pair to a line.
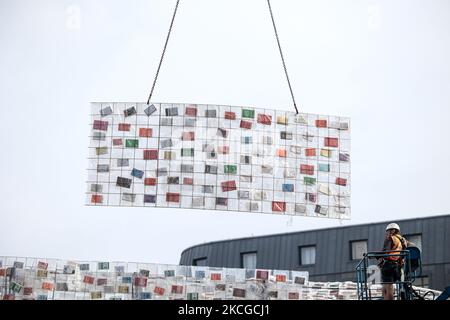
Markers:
126,279
325,167
287,187
137,173
145,295
149,198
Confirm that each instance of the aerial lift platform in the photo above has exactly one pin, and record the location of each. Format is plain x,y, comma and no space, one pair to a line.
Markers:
411,269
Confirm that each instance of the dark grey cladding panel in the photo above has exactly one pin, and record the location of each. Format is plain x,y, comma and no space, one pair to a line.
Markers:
218,255
232,254
293,255
215,258
200,252
340,262
283,254
275,252
269,259
332,241
435,242
427,247
446,242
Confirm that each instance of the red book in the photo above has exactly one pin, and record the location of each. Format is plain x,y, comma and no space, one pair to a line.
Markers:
191,111
188,181
246,124
278,206
310,152
88,279
100,125
47,286
145,132
172,197
117,142
307,169
97,198
280,278
331,142
230,115
177,289
140,282
188,136
228,186
150,181
262,274
321,123
264,119
281,153
124,126
293,296
216,276
151,154
159,291
341,181
224,150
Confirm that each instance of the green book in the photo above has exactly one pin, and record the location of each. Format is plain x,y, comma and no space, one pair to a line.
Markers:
309,181
131,143
192,296
15,287
230,168
247,113
187,152
103,265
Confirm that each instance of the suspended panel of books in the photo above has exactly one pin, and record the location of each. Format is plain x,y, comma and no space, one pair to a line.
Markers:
218,157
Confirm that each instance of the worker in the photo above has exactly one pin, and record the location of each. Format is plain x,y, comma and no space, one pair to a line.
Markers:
391,266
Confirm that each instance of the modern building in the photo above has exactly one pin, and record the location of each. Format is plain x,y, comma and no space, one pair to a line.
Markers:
331,254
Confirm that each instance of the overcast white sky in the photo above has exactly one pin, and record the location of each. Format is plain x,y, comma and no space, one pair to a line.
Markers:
385,64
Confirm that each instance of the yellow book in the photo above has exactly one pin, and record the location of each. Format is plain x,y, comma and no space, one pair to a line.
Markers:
101,150
282,120
325,153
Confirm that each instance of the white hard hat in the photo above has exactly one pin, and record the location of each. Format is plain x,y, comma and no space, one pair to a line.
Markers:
393,226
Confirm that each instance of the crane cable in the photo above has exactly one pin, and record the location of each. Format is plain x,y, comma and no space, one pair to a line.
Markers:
163,52
282,57
276,36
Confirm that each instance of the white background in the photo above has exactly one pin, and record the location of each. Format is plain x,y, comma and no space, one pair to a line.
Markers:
385,64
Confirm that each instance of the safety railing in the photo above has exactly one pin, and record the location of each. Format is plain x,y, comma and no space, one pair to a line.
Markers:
363,287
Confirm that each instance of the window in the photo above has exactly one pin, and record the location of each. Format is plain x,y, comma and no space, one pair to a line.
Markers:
358,248
248,260
416,239
307,255
199,262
